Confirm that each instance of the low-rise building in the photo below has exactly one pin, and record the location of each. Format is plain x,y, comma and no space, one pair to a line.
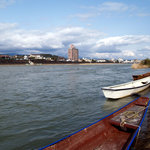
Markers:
18,57
61,58
5,57
101,60
128,61
87,60
36,56
25,57
120,60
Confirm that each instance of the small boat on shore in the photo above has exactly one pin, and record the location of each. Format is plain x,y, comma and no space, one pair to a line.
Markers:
126,89
137,77
116,131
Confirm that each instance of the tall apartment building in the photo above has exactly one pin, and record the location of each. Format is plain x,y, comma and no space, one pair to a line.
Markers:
73,53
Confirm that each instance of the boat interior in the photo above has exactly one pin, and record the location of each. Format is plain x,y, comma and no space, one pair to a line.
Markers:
132,84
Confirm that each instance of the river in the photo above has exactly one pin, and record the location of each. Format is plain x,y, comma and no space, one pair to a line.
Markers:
41,104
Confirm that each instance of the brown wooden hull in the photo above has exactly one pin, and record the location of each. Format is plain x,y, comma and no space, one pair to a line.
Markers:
137,77
106,133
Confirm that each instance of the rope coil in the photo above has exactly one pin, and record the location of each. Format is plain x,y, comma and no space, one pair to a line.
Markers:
128,115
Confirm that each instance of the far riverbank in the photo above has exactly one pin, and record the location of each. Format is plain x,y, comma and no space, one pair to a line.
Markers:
84,64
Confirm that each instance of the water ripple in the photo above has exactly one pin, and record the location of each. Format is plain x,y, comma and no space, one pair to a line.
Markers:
41,104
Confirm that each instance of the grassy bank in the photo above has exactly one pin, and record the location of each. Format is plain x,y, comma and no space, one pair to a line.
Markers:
143,64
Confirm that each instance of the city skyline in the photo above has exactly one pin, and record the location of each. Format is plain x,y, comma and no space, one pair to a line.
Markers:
99,29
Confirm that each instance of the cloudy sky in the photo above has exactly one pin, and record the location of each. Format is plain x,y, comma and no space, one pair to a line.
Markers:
98,28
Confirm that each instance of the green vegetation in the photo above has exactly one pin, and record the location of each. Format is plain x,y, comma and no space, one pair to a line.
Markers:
146,62
93,61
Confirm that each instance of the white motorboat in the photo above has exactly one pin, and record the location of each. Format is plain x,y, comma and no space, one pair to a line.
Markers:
126,89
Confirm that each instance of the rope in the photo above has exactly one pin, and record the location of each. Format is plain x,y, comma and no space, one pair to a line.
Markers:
128,115
131,114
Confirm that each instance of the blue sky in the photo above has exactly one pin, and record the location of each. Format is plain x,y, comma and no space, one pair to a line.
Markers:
98,28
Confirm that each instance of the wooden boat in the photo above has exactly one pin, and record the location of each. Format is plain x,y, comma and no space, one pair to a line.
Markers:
116,131
126,89
137,77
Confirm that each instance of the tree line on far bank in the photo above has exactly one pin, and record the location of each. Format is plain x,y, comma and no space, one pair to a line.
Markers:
146,62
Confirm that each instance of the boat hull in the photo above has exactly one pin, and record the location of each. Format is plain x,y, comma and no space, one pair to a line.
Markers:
123,90
137,77
105,133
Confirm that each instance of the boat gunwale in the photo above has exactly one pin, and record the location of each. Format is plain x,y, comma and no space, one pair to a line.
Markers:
126,83
91,125
140,76
111,89
139,127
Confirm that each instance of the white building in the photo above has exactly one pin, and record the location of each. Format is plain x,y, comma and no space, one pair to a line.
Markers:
101,61
87,60
36,56
120,60
25,57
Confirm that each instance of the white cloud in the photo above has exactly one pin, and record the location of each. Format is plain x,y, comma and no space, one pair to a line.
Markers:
145,50
12,38
143,14
121,54
83,16
116,46
91,43
6,26
109,8
128,53
147,47
5,3
123,40
101,55
113,6
103,8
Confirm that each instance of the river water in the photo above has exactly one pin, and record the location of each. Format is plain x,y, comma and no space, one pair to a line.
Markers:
41,104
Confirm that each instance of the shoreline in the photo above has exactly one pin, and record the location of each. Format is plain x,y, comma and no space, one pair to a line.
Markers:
84,64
